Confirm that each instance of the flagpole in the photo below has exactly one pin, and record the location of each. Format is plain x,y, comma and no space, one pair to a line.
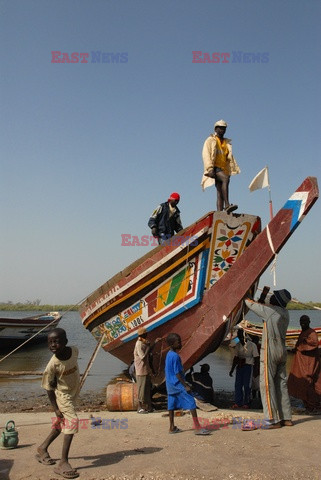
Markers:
270,203
270,197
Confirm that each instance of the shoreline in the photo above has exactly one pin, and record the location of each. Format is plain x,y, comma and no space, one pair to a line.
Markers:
17,402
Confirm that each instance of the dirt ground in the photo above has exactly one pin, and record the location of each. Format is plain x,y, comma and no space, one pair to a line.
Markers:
129,446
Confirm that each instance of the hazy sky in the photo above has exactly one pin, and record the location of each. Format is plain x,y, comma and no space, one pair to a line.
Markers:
88,150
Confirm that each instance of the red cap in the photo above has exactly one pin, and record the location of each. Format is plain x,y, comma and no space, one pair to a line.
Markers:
174,196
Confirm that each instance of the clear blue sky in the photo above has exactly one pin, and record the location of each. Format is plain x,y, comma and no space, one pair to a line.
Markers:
89,149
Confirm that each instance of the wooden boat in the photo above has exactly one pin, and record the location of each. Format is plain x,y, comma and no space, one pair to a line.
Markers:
292,334
193,287
17,330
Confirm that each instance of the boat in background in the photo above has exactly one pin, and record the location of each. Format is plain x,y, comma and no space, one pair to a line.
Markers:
292,334
14,331
194,285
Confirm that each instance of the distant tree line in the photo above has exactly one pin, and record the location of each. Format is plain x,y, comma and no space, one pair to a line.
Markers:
303,306
35,305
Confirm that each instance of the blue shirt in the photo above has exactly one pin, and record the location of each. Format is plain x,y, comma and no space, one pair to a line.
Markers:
173,366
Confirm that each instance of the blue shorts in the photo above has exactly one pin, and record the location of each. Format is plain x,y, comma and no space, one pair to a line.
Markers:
180,400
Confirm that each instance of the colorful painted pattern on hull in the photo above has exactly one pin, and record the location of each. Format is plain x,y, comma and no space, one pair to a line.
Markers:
228,242
183,290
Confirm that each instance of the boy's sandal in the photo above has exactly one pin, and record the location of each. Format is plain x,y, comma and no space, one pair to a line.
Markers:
141,410
176,430
202,431
66,473
45,459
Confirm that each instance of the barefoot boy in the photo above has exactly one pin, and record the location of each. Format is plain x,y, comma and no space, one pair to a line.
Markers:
177,388
61,380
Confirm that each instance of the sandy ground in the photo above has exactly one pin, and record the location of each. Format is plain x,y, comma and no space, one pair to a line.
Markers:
144,450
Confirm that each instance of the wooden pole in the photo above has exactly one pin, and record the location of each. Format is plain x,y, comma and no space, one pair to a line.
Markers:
90,363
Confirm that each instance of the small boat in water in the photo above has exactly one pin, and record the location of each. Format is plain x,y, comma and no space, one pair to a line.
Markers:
194,285
292,334
14,331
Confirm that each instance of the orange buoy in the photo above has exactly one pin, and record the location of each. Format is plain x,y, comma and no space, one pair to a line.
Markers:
121,396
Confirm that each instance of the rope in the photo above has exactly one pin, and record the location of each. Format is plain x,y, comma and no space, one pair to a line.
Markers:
160,357
273,266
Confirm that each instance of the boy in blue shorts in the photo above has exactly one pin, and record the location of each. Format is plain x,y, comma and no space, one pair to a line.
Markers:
177,388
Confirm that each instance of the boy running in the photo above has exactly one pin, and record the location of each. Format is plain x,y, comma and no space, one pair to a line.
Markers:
61,380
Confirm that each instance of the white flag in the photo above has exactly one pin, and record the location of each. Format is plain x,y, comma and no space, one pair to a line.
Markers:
261,180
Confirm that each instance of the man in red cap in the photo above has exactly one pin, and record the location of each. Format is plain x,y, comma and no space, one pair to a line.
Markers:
165,219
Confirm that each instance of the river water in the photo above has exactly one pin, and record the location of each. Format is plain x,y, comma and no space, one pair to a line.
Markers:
106,367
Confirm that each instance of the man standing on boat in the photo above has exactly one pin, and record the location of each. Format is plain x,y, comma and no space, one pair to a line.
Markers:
304,381
273,379
165,219
219,165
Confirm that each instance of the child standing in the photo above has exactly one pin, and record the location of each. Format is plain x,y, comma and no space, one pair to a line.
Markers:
177,388
61,380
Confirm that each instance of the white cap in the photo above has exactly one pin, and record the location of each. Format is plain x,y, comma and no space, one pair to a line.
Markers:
220,123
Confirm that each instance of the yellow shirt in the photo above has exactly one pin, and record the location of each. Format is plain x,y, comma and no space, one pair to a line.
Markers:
209,154
222,152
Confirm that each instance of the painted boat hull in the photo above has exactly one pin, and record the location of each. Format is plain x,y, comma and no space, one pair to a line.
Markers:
14,331
194,289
